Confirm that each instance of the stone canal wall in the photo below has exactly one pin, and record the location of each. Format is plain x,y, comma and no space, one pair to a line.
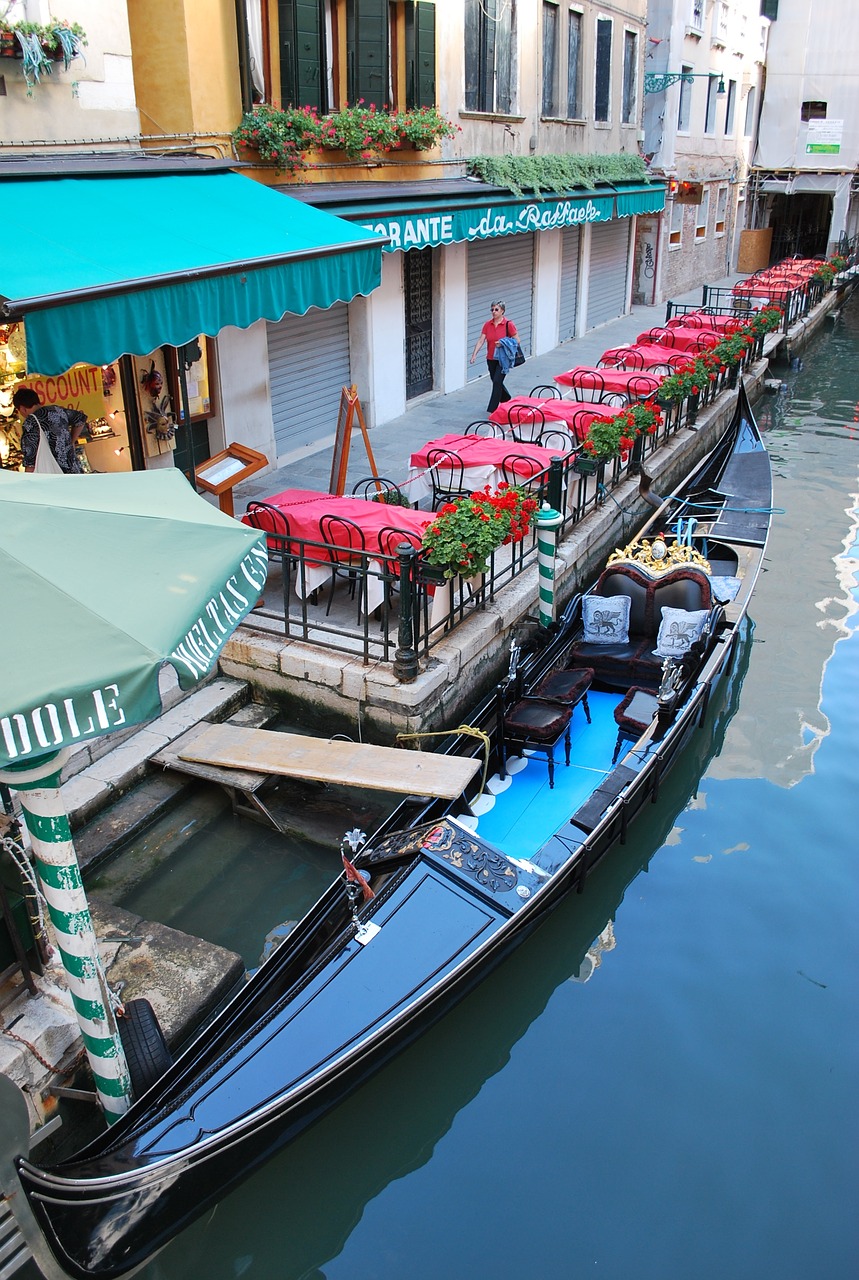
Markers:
318,687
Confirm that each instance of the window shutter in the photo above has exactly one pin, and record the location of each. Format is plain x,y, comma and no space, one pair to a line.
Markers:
420,54
769,9
602,87
472,55
504,62
367,52
302,53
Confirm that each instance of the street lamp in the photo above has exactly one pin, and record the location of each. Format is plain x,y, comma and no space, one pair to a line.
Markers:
657,81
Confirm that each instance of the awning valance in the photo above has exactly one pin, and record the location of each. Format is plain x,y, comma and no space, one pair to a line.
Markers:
483,221
649,198
110,265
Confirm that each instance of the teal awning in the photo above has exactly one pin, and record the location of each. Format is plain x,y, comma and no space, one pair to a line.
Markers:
649,198
105,266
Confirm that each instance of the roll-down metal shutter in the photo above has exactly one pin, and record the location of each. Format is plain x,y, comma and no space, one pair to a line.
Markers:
607,271
308,359
569,283
502,267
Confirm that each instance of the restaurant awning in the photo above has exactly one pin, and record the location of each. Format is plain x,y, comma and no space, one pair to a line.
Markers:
647,198
427,214
111,264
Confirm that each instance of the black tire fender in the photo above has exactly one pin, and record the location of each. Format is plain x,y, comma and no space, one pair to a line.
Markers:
145,1048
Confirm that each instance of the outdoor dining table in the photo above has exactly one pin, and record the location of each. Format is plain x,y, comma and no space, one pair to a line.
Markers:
585,378
650,353
703,320
483,458
775,292
303,510
681,338
574,416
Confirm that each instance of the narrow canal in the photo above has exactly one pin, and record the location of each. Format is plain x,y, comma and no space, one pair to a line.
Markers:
661,1083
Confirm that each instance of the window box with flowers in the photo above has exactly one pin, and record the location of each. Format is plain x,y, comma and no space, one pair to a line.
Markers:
37,47
294,137
616,437
465,533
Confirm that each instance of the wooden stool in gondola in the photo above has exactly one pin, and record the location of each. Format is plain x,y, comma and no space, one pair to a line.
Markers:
633,715
539,724
569,686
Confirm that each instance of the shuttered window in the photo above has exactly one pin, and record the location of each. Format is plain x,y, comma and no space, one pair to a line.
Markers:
551,26
574,65
602,76
490,67
303,57
420,54
367,53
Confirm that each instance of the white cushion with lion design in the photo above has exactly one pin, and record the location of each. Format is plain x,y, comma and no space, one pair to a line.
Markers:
606,619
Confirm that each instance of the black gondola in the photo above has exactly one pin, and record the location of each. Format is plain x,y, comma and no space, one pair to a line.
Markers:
455,885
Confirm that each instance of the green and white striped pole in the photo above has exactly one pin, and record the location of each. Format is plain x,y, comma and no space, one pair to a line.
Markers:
548,523
59,874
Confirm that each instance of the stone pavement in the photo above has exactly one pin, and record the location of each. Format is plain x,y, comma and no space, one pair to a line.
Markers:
436,414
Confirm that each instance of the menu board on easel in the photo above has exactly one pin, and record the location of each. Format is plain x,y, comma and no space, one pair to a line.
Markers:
350,411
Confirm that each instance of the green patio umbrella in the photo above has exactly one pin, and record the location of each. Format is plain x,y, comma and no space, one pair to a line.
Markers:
105,578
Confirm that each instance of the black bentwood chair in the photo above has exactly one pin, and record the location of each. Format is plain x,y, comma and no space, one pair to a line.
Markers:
483,427
380,489
346,542
447,477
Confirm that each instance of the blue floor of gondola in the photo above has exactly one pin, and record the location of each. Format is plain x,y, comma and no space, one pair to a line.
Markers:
529,812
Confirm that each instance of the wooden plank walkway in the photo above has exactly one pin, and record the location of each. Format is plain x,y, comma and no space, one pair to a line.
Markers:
262,752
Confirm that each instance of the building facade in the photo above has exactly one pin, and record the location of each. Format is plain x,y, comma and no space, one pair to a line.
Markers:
168,81
703,78
804,184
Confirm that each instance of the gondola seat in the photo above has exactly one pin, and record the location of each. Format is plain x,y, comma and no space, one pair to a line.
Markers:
568,685
621,657
633,715
539,724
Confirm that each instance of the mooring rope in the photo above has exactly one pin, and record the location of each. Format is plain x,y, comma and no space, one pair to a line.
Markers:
466,730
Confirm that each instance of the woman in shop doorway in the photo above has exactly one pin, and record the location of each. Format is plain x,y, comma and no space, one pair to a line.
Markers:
496,328
61,426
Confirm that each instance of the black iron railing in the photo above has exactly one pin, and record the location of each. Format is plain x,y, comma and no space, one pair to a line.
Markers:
356,607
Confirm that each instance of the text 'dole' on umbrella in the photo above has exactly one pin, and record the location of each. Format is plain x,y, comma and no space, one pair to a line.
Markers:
105,579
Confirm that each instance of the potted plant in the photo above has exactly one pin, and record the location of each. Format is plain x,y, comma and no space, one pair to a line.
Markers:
283,137
464,533
610,438
36,63
424,127
360,132
9,46
365,133
68,39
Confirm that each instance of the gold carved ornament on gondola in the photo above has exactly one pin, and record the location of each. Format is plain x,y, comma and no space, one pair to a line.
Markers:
656,556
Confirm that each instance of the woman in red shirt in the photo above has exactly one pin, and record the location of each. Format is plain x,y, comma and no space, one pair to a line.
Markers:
497,327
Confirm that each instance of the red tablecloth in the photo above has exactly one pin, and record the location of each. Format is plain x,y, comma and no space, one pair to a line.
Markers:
303,509
638,386
701,320
681,338
650,352
479,451
775,292
573,415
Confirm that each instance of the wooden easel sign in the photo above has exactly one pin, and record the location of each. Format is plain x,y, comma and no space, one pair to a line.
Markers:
350,409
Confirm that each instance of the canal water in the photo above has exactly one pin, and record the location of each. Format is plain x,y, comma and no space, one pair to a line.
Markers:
662,1082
